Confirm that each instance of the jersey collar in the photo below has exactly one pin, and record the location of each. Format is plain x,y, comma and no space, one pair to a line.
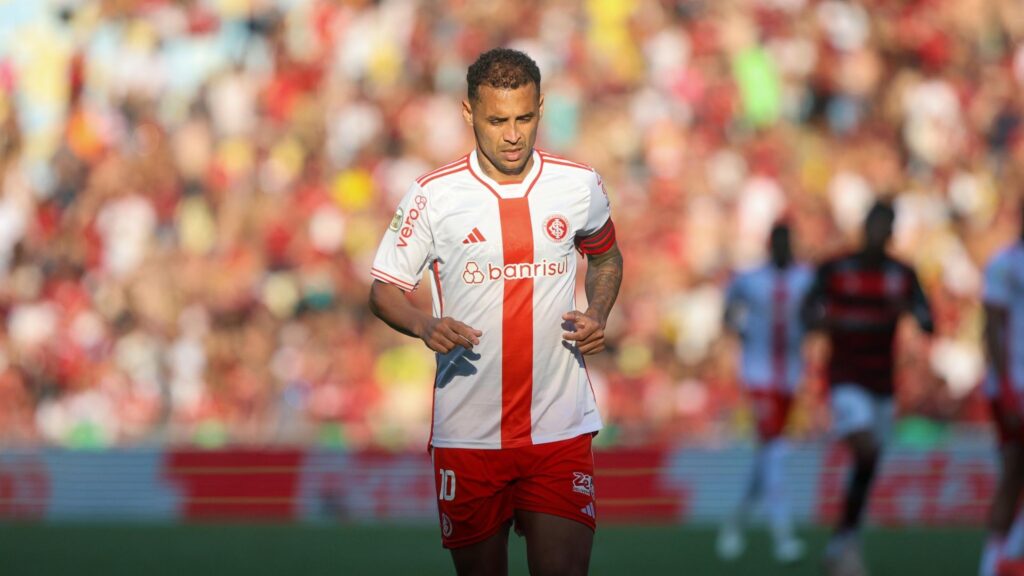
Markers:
503,191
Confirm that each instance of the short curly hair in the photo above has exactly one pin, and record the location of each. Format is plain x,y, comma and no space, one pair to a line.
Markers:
502,68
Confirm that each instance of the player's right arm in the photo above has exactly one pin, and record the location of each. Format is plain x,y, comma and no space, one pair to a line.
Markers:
405,251
391,305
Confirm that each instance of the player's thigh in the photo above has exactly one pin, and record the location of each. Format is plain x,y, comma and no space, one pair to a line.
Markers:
852,410
484,558
555,545
475,491
555,507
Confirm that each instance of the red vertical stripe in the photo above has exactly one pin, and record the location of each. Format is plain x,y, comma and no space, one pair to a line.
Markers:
516,326
779,297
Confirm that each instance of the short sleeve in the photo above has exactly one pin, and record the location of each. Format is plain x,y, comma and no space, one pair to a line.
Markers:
597,235
408,244
997,284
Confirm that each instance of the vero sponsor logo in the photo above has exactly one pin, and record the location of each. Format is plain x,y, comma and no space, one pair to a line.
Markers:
409,224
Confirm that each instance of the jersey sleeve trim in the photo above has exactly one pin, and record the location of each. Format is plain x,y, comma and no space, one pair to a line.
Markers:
389,279
599,242
450,168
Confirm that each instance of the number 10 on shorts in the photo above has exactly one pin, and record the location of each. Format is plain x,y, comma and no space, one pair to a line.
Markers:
447,491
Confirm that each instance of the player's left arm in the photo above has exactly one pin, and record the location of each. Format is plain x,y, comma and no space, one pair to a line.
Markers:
596,240
604,276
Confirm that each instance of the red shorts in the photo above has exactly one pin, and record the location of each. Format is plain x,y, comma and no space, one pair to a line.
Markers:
480,490
1005,433
771,410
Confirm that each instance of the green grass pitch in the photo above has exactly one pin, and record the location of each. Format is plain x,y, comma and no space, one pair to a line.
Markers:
388,549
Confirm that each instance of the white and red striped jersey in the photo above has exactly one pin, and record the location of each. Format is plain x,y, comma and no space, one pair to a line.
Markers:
503,260
1004,288
764,308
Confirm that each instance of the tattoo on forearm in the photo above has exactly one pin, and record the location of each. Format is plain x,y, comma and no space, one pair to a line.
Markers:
604,276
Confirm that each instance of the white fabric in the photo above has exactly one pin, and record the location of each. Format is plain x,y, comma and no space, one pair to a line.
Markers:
854,409
452,219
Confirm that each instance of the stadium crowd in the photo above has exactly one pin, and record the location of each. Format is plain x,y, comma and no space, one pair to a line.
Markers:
191,193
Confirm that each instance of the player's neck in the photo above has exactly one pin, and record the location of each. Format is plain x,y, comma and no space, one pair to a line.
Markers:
503,177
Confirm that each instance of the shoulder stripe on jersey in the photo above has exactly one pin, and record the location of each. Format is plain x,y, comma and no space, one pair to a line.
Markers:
564,161
569,164
443,168
389,279
454,170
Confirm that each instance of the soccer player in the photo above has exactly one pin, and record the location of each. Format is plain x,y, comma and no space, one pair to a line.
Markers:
514,411
1003,299
857,301
763,308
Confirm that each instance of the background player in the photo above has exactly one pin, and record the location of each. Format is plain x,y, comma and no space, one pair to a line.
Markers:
1003,299
763,308
514,412
857,300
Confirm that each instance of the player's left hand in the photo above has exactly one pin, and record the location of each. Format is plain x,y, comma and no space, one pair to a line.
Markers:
585,330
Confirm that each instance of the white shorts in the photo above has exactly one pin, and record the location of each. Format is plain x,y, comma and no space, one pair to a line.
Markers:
854,409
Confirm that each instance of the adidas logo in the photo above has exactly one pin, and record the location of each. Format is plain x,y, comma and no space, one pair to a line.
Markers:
474,237
589,510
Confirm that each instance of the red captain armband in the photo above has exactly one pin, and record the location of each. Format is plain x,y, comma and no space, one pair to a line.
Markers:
599,242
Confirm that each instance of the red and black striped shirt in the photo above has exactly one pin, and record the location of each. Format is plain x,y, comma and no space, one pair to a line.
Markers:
858,301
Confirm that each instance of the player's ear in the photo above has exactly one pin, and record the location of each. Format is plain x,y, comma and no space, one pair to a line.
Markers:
540,106
467,112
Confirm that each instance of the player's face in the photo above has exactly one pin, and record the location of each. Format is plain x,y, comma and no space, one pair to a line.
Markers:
505,125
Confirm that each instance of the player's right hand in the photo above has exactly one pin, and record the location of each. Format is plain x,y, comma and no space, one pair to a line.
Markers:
444,334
